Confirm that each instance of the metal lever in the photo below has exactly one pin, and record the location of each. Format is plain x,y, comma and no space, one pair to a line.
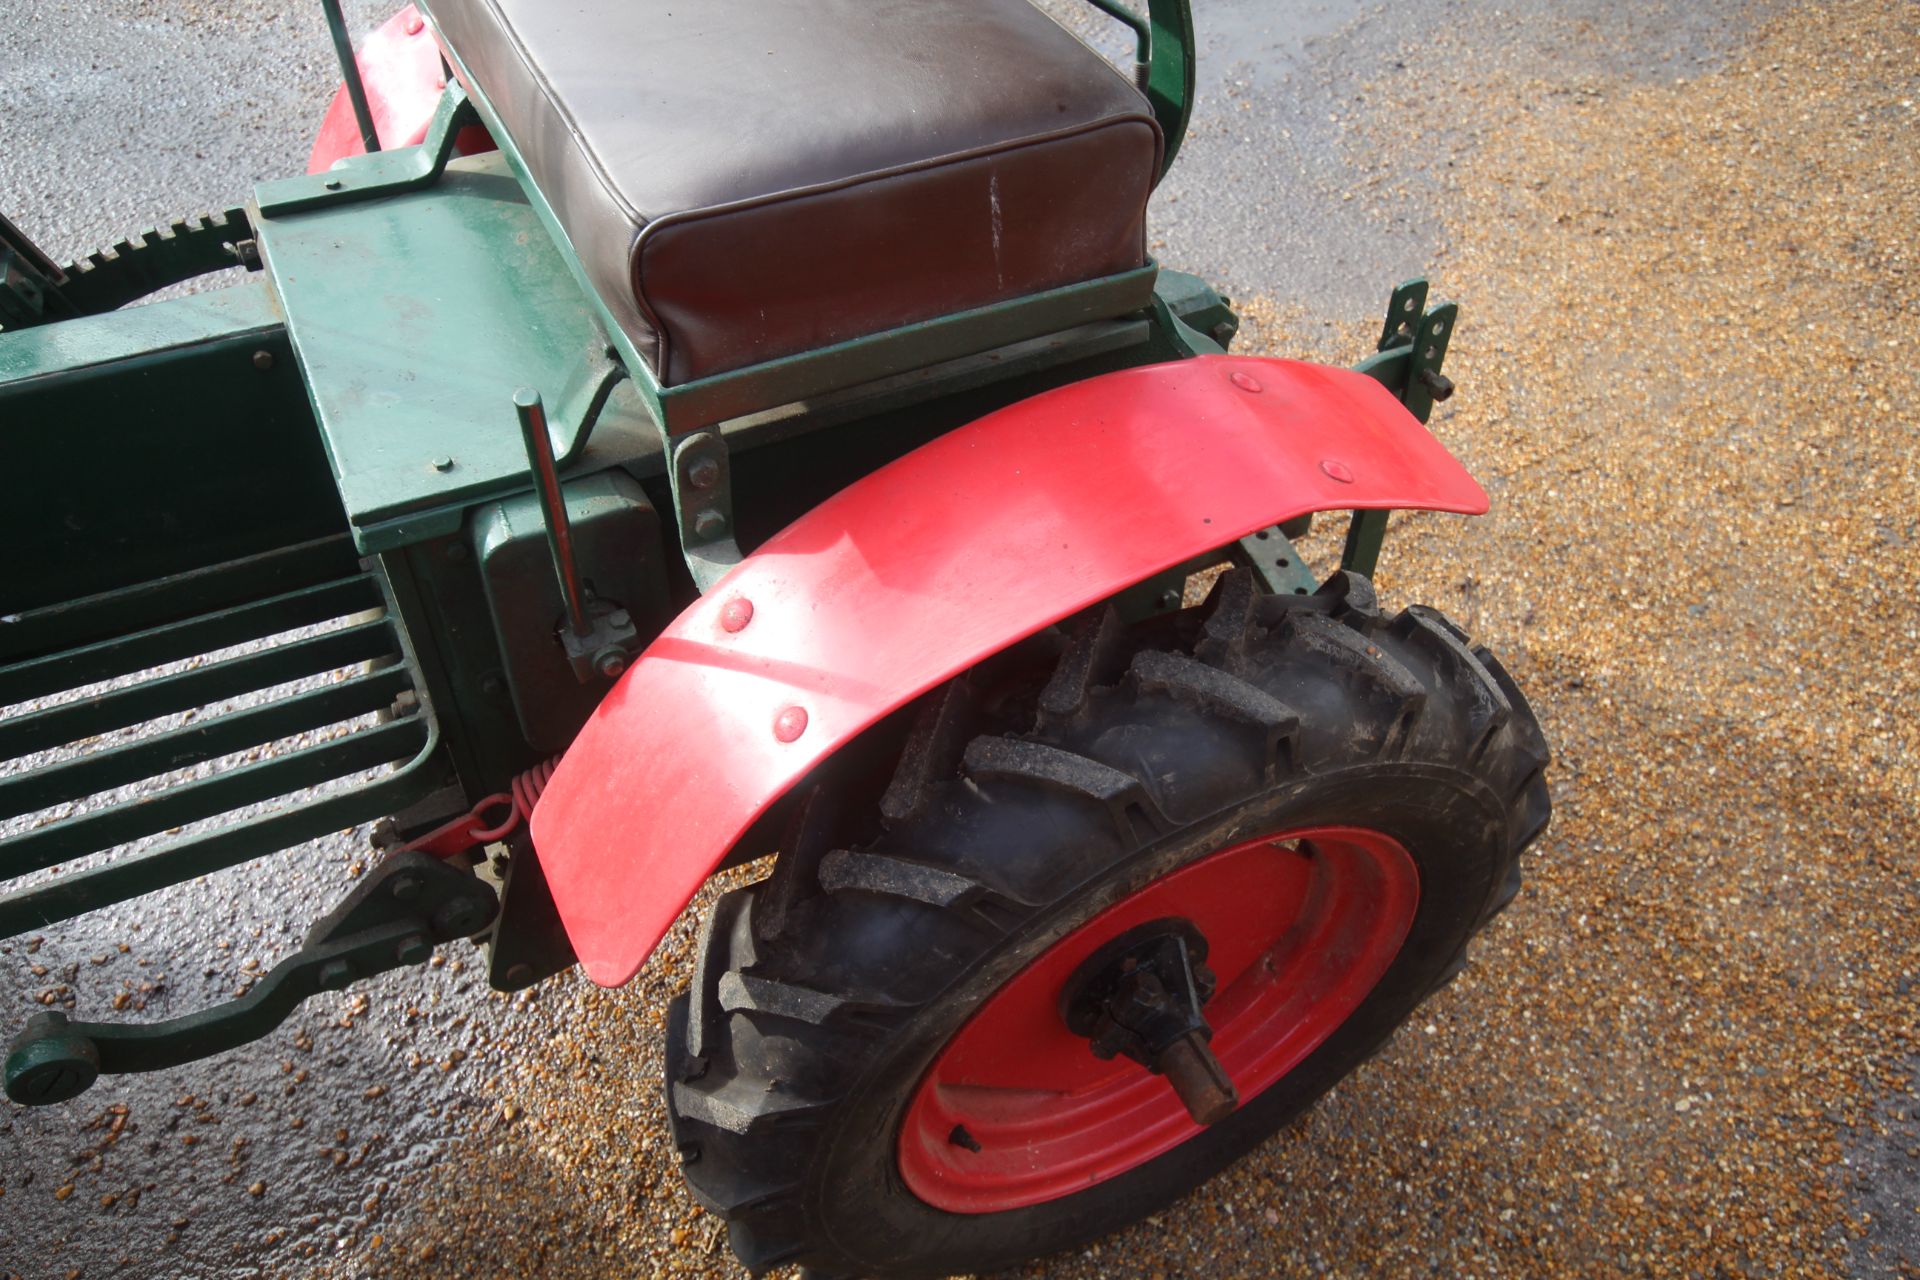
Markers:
596,634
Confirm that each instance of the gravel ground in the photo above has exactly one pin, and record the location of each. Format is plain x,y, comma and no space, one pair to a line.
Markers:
1684,241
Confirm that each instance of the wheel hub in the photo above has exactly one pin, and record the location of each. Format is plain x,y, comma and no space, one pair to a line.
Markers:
1141,995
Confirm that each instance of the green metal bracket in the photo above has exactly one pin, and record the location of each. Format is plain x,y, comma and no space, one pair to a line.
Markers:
1412,347
395,917
701,476
370,176
1163,65
584,399
1275,561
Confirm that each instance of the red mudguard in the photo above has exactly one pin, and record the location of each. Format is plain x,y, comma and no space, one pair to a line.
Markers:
920,570
400,67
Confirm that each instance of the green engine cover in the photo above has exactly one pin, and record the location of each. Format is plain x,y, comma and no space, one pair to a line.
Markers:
616,541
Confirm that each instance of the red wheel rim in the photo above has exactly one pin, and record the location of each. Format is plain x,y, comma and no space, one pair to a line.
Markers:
1300,927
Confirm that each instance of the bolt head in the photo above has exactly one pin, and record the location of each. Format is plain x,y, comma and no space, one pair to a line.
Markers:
709,525
405,887
335,974
620,618
790,724
1245,381
443,464
415,948
704,473
518,975
415,24
610,662
736,614
1337,469
263,360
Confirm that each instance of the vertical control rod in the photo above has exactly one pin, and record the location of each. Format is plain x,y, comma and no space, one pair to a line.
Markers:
546,482
350,73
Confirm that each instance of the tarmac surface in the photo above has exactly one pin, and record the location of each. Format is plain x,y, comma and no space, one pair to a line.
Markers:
1684,239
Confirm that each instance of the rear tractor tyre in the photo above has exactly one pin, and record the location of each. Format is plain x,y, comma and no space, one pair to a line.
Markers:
1292,811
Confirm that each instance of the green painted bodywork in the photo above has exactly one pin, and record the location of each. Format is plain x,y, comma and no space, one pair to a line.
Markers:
416,318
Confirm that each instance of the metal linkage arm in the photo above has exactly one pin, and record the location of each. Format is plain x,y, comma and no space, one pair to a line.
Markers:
394,917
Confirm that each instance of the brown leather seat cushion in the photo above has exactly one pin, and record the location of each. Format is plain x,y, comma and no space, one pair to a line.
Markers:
746,179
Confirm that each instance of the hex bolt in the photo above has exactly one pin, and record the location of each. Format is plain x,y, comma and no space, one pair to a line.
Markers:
443,464
1169,599
1436,382
335,974
610,662
415,948
406,886
620,619
518,975
703,473
263,360
708,525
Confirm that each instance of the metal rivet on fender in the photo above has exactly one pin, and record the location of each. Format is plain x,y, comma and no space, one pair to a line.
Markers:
790,724
1337,469
736,614
414,25
1245,381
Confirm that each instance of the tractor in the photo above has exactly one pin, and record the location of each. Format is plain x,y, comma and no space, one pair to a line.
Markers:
656,438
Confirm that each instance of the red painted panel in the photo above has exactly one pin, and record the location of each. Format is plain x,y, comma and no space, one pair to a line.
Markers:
921,569
400,67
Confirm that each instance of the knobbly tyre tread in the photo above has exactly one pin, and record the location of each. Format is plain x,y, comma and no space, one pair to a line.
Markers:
779,1020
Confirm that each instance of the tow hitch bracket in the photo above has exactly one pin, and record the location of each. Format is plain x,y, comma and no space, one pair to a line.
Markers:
395,917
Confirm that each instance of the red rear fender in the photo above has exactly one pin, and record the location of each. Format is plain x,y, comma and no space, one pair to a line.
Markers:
922,569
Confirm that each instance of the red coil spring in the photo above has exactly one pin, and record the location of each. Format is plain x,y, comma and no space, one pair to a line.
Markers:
470,830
